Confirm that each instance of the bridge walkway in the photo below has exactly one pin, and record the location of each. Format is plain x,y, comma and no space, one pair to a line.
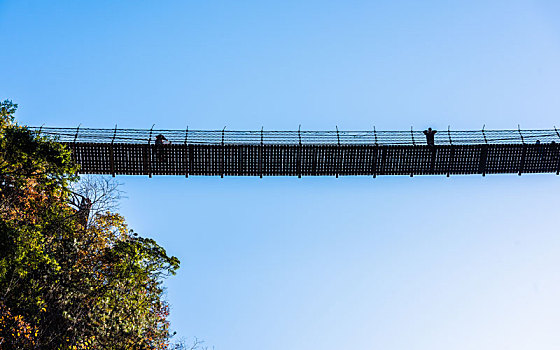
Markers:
309,153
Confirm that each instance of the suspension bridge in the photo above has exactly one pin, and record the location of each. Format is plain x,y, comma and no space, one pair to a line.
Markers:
309,153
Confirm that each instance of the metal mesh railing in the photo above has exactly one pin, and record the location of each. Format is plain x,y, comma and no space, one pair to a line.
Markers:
371,137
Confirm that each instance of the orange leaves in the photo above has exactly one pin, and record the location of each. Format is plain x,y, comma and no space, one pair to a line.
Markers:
74,285
14,331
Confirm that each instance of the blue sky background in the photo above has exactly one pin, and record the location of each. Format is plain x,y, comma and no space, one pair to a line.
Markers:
320,263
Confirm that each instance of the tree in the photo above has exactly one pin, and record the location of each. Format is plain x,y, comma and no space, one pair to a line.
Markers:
101,193
66,283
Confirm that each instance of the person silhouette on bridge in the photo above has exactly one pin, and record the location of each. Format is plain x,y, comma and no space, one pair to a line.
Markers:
430,136
160,141
539,148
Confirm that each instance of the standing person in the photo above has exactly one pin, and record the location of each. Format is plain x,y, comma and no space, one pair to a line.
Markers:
430,136
539,149
160,141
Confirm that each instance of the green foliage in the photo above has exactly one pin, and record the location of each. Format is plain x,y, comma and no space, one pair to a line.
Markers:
7,110
64,283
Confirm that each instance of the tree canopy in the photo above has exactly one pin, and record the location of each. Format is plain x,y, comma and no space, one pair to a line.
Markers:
66,282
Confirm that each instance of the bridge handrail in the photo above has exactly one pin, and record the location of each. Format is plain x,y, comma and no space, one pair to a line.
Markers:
332,137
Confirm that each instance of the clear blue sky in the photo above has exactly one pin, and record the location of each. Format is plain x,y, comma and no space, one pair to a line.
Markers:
320,263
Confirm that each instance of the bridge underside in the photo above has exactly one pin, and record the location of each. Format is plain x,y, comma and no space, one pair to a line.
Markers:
313,160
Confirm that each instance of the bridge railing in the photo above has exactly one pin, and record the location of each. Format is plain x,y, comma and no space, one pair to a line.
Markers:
303,137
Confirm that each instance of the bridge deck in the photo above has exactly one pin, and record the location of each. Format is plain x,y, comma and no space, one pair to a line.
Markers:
313,159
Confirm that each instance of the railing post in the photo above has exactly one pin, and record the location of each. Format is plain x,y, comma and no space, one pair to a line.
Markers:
524,152
523,158
314,160
520,134
557,153
338,153
298,165
483,154
112,153
149,152
261,151
223,151
483,159
451,151
451,159
374,162
383,160
186,154
75,136
74,148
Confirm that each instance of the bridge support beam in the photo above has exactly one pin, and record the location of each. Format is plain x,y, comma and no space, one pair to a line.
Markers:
522,162
112,159
451,159
483,159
